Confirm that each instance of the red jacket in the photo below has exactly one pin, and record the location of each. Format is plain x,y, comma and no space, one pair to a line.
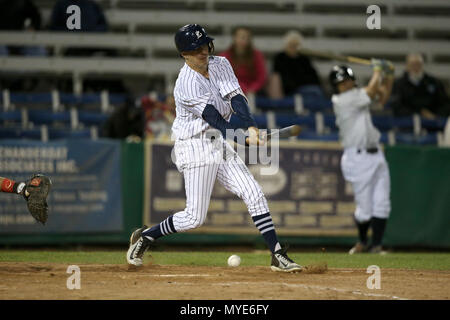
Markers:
250,82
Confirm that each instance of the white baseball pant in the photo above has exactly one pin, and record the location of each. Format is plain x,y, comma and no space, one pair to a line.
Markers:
369,175
201,161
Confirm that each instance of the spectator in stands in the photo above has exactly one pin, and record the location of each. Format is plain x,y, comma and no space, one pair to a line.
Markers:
126,122
294,69
92,20
159,116
20,15
15,15
294,73
417,92
248,63
92,17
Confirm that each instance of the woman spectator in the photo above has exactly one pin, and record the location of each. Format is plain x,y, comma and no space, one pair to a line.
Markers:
248,63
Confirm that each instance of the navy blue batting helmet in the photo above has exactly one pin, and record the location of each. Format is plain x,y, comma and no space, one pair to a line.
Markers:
192,36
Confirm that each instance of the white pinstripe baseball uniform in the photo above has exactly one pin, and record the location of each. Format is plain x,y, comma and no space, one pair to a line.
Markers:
364,168
204,102
199,158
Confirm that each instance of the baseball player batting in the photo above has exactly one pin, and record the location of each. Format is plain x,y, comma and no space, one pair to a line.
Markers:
206,94
363,163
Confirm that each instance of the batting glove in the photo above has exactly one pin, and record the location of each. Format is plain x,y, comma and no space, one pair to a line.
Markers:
377,64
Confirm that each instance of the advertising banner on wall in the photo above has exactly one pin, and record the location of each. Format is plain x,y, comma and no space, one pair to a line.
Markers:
86,185
307,194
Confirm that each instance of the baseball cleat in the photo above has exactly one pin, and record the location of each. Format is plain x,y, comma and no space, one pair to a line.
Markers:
138,246
359,247
282,263
377,250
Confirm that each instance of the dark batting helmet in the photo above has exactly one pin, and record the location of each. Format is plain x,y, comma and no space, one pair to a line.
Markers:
191,37
339,74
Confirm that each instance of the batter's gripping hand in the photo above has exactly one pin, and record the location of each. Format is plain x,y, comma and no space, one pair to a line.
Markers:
388,68
35,193
254,138
377,64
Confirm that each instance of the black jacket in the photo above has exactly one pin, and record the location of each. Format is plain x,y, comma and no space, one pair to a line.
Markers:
407,98
294,72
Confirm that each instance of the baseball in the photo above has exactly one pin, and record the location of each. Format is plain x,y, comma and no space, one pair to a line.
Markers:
234,261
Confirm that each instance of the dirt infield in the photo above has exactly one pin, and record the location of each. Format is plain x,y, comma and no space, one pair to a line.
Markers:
48,281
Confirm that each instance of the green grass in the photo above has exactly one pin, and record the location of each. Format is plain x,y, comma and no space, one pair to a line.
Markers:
432,261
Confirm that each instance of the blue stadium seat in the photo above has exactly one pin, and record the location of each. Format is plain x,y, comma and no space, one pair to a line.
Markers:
92,118
403,122
384,138
31,98
48,117
54,133
10,132
20,133
285,104
120,98
434,124
330,121
91,98
11,116
72,99
314,99
384,123
284,120
34,134
312,135
409,138
261,120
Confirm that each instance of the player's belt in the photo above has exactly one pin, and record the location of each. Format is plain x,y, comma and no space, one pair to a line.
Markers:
369,150
205,135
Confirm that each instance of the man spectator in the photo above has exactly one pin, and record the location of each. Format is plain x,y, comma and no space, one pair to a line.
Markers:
417,92
295,70
294,73
126,122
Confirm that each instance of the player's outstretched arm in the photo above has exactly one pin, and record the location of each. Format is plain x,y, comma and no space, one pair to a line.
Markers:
35,192
374,83
10,186
215,120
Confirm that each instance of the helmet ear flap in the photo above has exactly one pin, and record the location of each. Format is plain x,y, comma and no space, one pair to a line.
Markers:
211,47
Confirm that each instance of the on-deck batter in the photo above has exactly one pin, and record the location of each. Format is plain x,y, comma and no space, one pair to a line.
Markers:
363,163
206,94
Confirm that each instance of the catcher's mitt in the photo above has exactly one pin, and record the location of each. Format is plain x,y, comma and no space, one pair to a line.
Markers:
35,193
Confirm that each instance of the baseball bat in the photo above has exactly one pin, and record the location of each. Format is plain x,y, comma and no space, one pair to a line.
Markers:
333,56
291,131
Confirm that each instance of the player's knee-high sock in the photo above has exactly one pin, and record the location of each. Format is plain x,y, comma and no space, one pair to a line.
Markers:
362,230
265,225
164,228
378,226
